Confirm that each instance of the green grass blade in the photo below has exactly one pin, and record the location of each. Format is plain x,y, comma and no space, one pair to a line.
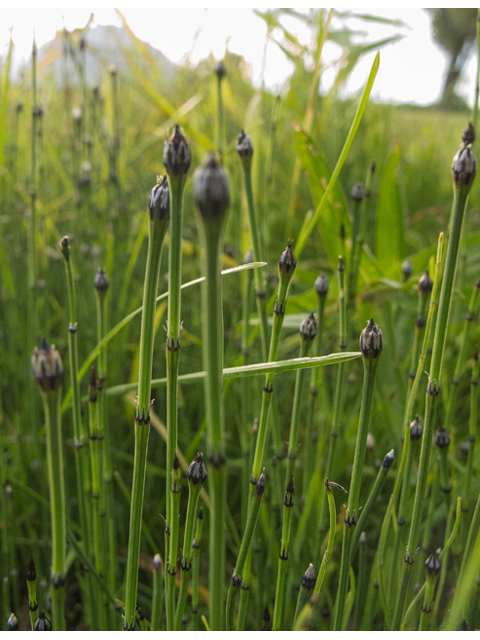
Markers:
302,241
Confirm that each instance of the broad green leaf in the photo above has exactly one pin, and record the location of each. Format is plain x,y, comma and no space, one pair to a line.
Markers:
390,232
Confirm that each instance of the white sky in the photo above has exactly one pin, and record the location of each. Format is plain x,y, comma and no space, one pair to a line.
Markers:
411,70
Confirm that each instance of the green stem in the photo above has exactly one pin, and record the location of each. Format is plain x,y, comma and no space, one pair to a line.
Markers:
259,286
433,391
157,597
283,557
56,485
237,575
196,569
157,230
296,414
370,368
472,426
244,593
188,551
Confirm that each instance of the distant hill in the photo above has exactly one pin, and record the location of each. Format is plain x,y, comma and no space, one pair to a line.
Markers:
102,46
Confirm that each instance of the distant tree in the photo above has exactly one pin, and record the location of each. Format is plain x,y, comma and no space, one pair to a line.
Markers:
454,30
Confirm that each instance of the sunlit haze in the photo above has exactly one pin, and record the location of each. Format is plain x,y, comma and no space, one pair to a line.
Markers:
411,70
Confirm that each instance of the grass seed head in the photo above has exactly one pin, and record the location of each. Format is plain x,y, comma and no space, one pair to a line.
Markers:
309,328
101,281
358,192
388,459
464,167
244,148
371,340
47,367
159,200
42,623
425,284
197,471
210,190
321,285
177,156
12,622
287,263
309,578
416,429
442,438
407,269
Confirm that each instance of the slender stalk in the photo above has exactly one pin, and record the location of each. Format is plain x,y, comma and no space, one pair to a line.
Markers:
158,209
371,500
32,592
283,557
245,152
157,597
79,430
212,199
308,331
196,568
340,386
462,182
286,268
321,287
51,403
358,193
197,474
309,579
220,72
302,617
472,427
170,584
177,159
237,575
244,593
449,422
371,343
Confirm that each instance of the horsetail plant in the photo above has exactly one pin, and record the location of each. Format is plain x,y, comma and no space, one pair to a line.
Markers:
48,371
283,556
245,152
321,288
236,580
101,284
371,345
286,268
425,286
32,592
472,426
172,540
80,433
302,617
220,72
196,546
43,623
158,218
157,597
309,579
308,331
463,171
340,386
12,622
211,193
177,160
196,474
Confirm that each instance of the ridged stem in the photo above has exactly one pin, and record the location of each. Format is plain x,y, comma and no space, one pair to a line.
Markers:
351,516
197,545
56,486
433,391
188,551
472,427
283,558
157,597
257,255
237,576
211,233
157,230
295,422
